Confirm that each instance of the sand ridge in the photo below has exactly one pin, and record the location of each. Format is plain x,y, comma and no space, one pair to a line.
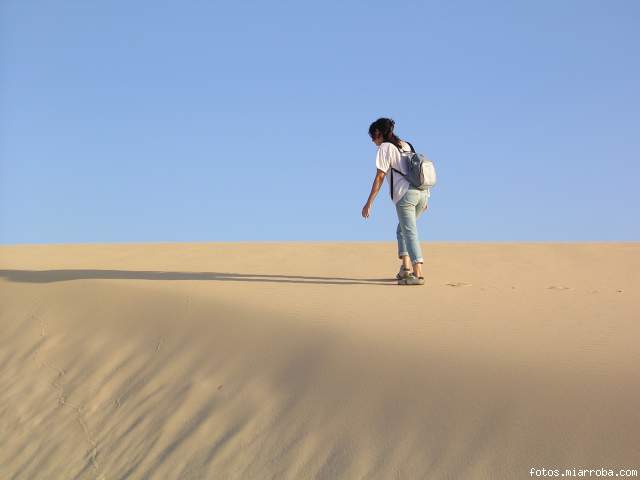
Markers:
304,360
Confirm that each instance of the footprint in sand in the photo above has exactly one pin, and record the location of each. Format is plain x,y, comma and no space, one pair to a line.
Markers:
458,284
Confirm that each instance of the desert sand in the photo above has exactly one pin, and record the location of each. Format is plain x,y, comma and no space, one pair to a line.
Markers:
306,361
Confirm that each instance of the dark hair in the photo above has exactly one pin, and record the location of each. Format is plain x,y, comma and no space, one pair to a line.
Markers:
385,127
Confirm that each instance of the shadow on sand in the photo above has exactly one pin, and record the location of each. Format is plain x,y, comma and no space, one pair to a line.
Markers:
48,276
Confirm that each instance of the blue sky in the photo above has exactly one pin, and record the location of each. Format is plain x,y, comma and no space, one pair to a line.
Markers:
190,121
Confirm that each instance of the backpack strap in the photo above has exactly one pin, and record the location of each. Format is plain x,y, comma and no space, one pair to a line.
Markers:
394,170
391,189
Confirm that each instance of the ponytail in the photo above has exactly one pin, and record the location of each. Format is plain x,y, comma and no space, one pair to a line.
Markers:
385,127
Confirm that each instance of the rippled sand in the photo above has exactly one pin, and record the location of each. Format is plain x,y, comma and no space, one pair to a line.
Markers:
306,361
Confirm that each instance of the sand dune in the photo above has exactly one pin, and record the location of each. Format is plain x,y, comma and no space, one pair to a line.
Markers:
305,361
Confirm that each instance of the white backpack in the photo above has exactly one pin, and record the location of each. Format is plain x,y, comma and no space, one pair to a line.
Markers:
421,173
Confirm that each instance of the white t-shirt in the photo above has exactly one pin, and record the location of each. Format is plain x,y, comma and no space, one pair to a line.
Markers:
388,156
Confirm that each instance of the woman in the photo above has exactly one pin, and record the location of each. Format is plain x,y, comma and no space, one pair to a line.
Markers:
409,201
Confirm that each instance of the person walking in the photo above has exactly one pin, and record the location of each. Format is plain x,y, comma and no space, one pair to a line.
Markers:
409,201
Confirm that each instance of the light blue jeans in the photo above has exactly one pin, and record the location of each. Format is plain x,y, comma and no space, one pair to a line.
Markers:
409,208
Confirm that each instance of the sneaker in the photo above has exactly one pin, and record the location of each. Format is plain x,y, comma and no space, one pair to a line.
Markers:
403,273
411,280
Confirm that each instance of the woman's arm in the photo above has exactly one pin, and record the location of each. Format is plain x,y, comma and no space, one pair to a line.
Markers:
375,188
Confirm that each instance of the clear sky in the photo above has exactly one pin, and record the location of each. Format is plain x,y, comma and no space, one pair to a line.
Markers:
195,121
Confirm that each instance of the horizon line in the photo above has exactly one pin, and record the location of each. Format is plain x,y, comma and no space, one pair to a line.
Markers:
168,242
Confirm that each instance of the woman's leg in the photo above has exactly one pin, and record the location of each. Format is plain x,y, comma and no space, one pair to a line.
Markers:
407,213
420,208
403,253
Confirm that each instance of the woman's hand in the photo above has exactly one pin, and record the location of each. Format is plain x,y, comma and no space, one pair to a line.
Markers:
366,210
377,183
